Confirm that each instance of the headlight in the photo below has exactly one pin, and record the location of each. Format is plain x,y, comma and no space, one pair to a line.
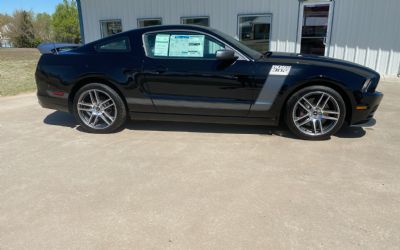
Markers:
366,85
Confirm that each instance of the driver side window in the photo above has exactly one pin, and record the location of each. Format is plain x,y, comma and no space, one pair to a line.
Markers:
181,45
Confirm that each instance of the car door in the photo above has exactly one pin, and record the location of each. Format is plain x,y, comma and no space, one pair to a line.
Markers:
183,76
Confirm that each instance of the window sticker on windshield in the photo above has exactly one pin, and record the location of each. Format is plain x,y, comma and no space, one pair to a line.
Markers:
186,46
280,70
162,44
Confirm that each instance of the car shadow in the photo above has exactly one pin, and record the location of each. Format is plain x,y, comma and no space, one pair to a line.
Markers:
202,127
58,118
351,132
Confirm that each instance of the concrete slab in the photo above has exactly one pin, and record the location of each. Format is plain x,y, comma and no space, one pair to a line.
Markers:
178,185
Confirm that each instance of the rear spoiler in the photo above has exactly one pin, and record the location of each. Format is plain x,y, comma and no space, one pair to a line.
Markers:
54,48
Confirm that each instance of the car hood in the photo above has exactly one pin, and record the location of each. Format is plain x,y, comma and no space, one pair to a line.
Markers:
323,61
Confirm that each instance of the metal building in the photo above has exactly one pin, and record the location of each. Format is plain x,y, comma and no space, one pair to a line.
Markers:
366,32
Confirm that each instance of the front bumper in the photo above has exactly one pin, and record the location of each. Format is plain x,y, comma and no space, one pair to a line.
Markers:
372,102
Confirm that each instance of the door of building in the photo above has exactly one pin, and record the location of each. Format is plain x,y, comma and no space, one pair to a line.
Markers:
315,28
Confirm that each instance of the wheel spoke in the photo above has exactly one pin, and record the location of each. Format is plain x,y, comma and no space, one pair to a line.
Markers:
320,100
104,102
304,107
96,96
307,102
326,102
91,118
95,120
329,118
92,98
108,116
314,122
301,118
320,126
108,106
330,112
85,109
305,122
85,104
105,119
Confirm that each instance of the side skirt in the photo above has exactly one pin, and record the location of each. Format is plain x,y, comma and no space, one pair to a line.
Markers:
203,119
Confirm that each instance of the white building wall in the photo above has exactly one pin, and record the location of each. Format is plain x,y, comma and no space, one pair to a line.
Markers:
363,31
367,32
5,41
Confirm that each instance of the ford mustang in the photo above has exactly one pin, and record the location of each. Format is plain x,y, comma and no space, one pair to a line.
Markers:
198,74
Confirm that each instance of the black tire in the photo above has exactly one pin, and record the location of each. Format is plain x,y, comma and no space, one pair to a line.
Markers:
117,109
314,113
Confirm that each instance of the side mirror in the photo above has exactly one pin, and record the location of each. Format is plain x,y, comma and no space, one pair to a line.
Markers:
226,55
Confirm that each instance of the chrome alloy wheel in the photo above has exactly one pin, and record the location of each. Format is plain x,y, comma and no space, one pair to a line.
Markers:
96,109
316,113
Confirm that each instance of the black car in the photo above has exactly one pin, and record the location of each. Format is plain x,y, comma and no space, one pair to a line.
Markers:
197,74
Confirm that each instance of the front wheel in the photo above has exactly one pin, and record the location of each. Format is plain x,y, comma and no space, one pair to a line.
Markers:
99,109
315,112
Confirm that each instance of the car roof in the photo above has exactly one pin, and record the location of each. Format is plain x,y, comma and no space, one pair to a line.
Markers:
140,31
175,26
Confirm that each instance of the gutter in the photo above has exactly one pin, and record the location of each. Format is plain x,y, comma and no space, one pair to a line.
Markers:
82,31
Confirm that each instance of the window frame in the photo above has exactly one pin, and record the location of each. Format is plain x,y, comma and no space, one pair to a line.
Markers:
252,15
110,20
148,19
195,17
127,50
242,57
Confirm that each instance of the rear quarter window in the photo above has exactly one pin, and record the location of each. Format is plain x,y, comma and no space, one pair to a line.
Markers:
120,44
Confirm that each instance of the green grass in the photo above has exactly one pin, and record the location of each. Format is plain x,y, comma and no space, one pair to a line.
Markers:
17,70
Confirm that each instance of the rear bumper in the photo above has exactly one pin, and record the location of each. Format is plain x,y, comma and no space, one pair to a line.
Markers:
51,96
372,101
53,102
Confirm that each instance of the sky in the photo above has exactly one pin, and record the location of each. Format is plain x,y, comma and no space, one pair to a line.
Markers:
9,6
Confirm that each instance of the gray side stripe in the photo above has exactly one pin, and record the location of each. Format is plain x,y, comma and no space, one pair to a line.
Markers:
201,104
139,101
268,93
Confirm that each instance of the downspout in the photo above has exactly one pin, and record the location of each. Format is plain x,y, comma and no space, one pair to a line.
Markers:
331,28
78,3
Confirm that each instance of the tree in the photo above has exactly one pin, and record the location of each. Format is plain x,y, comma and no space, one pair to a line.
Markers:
5,19
66,22
42,27
21,30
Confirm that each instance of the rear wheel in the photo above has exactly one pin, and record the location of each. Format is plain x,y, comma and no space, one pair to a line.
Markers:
99,109
315,112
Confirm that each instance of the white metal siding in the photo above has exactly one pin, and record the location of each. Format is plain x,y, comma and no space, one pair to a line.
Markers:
363,31
367,32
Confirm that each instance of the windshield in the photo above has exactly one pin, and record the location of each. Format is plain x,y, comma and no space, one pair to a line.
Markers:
248,51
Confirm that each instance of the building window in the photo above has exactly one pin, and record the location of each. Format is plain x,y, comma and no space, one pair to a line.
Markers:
146,22
181,45
255,31
202,21
110,27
